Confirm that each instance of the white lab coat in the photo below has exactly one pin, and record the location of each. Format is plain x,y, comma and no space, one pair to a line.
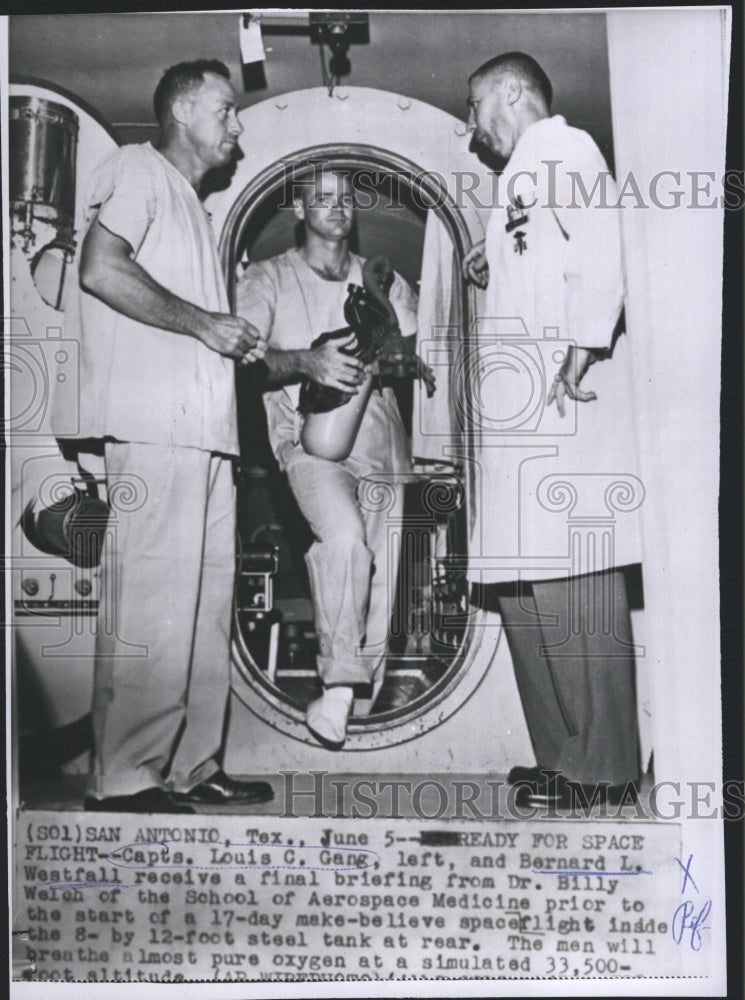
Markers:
555,496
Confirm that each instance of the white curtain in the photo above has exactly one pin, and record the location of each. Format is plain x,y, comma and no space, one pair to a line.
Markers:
432,426
668,73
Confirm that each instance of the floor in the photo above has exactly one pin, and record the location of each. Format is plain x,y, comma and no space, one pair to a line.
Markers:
66,792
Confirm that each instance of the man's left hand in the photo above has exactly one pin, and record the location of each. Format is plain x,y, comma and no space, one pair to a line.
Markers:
475,265
427,376
567,380
423,372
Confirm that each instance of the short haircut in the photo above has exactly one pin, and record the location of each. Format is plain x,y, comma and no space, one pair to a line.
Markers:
524,67
304,183
180,79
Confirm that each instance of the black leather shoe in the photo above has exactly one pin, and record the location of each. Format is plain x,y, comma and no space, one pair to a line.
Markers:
522,773
221,789
150,800
543,794
554,792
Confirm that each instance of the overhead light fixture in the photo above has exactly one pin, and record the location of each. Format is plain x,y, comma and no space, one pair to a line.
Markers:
334,26
337,29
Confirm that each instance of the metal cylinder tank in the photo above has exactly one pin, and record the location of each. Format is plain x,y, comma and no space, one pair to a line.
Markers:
43,139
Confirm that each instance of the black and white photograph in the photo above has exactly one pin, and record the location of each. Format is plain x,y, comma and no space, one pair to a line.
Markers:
371,384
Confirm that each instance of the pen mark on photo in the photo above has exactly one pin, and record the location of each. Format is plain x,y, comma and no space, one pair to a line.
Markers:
687,877
584,871
685,919
84,885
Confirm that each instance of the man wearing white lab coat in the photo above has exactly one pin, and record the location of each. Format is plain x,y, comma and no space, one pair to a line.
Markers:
558,491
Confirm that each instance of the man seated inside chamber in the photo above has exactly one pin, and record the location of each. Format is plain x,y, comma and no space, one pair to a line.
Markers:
352,564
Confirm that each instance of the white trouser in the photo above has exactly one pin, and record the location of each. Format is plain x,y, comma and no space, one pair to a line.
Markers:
353,567
163,646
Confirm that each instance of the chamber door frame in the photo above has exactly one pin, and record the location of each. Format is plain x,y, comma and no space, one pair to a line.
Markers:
436,175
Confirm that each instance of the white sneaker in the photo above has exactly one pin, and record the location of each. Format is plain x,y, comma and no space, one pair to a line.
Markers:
327,716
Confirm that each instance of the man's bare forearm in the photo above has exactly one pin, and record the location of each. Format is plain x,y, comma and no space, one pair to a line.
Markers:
108,271
285,367
327,364
127,287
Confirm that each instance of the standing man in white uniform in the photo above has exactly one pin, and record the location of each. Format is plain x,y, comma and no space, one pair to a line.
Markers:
558,491
292,299
158,348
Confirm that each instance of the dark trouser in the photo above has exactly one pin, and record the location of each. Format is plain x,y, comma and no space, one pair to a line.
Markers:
572,652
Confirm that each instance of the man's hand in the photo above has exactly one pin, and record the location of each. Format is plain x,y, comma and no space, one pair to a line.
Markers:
108,271
566,381
475,267
328,365
427,376
232,336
